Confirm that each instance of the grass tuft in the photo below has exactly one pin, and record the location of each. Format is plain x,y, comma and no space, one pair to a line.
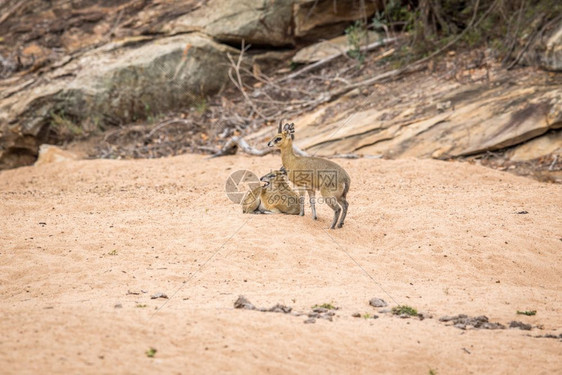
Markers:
404,309
527,312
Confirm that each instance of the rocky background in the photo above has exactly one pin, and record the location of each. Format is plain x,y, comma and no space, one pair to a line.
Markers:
465,80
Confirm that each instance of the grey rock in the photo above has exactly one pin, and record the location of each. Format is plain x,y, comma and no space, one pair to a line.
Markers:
520,325
255,21
463,321
551,58
320,309
274,23
243,303
117,83
377,302
279,309
159,295
423,316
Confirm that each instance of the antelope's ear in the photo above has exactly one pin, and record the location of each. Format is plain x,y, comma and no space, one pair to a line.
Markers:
290,130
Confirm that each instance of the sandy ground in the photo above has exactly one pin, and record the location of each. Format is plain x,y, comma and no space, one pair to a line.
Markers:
445,238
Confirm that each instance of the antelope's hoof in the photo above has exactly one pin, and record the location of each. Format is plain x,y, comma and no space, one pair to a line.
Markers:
315,217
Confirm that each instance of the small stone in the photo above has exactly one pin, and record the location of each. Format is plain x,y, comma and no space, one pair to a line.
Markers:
481,319
356,315
279,309
243,303
320,309
520,325
159,295
118,306
310,321
378,302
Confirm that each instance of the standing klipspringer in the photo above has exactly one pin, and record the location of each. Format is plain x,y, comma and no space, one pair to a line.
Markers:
310,173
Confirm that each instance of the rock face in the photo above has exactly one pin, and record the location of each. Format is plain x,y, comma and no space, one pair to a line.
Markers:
256,21
461,122
552,56
35,33
322,19
272,23
519,116
117,83
550,143
86,66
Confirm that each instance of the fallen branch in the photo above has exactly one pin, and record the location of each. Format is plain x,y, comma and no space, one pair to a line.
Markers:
379,78
234,144
166,123
554,160
9,12
344,156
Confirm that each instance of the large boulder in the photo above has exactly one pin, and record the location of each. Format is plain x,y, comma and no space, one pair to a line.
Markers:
549,143
256,21
272,23
551,58
464,122
36,33
118,83
323,19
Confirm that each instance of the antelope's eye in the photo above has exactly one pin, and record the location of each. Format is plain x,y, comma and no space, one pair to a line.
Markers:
278,139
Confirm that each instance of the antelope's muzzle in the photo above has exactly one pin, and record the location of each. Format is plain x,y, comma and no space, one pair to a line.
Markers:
265,179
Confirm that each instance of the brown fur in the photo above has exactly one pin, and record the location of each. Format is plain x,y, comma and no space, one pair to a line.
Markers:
310,173
276,197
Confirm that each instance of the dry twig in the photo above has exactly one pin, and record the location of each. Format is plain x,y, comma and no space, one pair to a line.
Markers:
330,58
235,66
